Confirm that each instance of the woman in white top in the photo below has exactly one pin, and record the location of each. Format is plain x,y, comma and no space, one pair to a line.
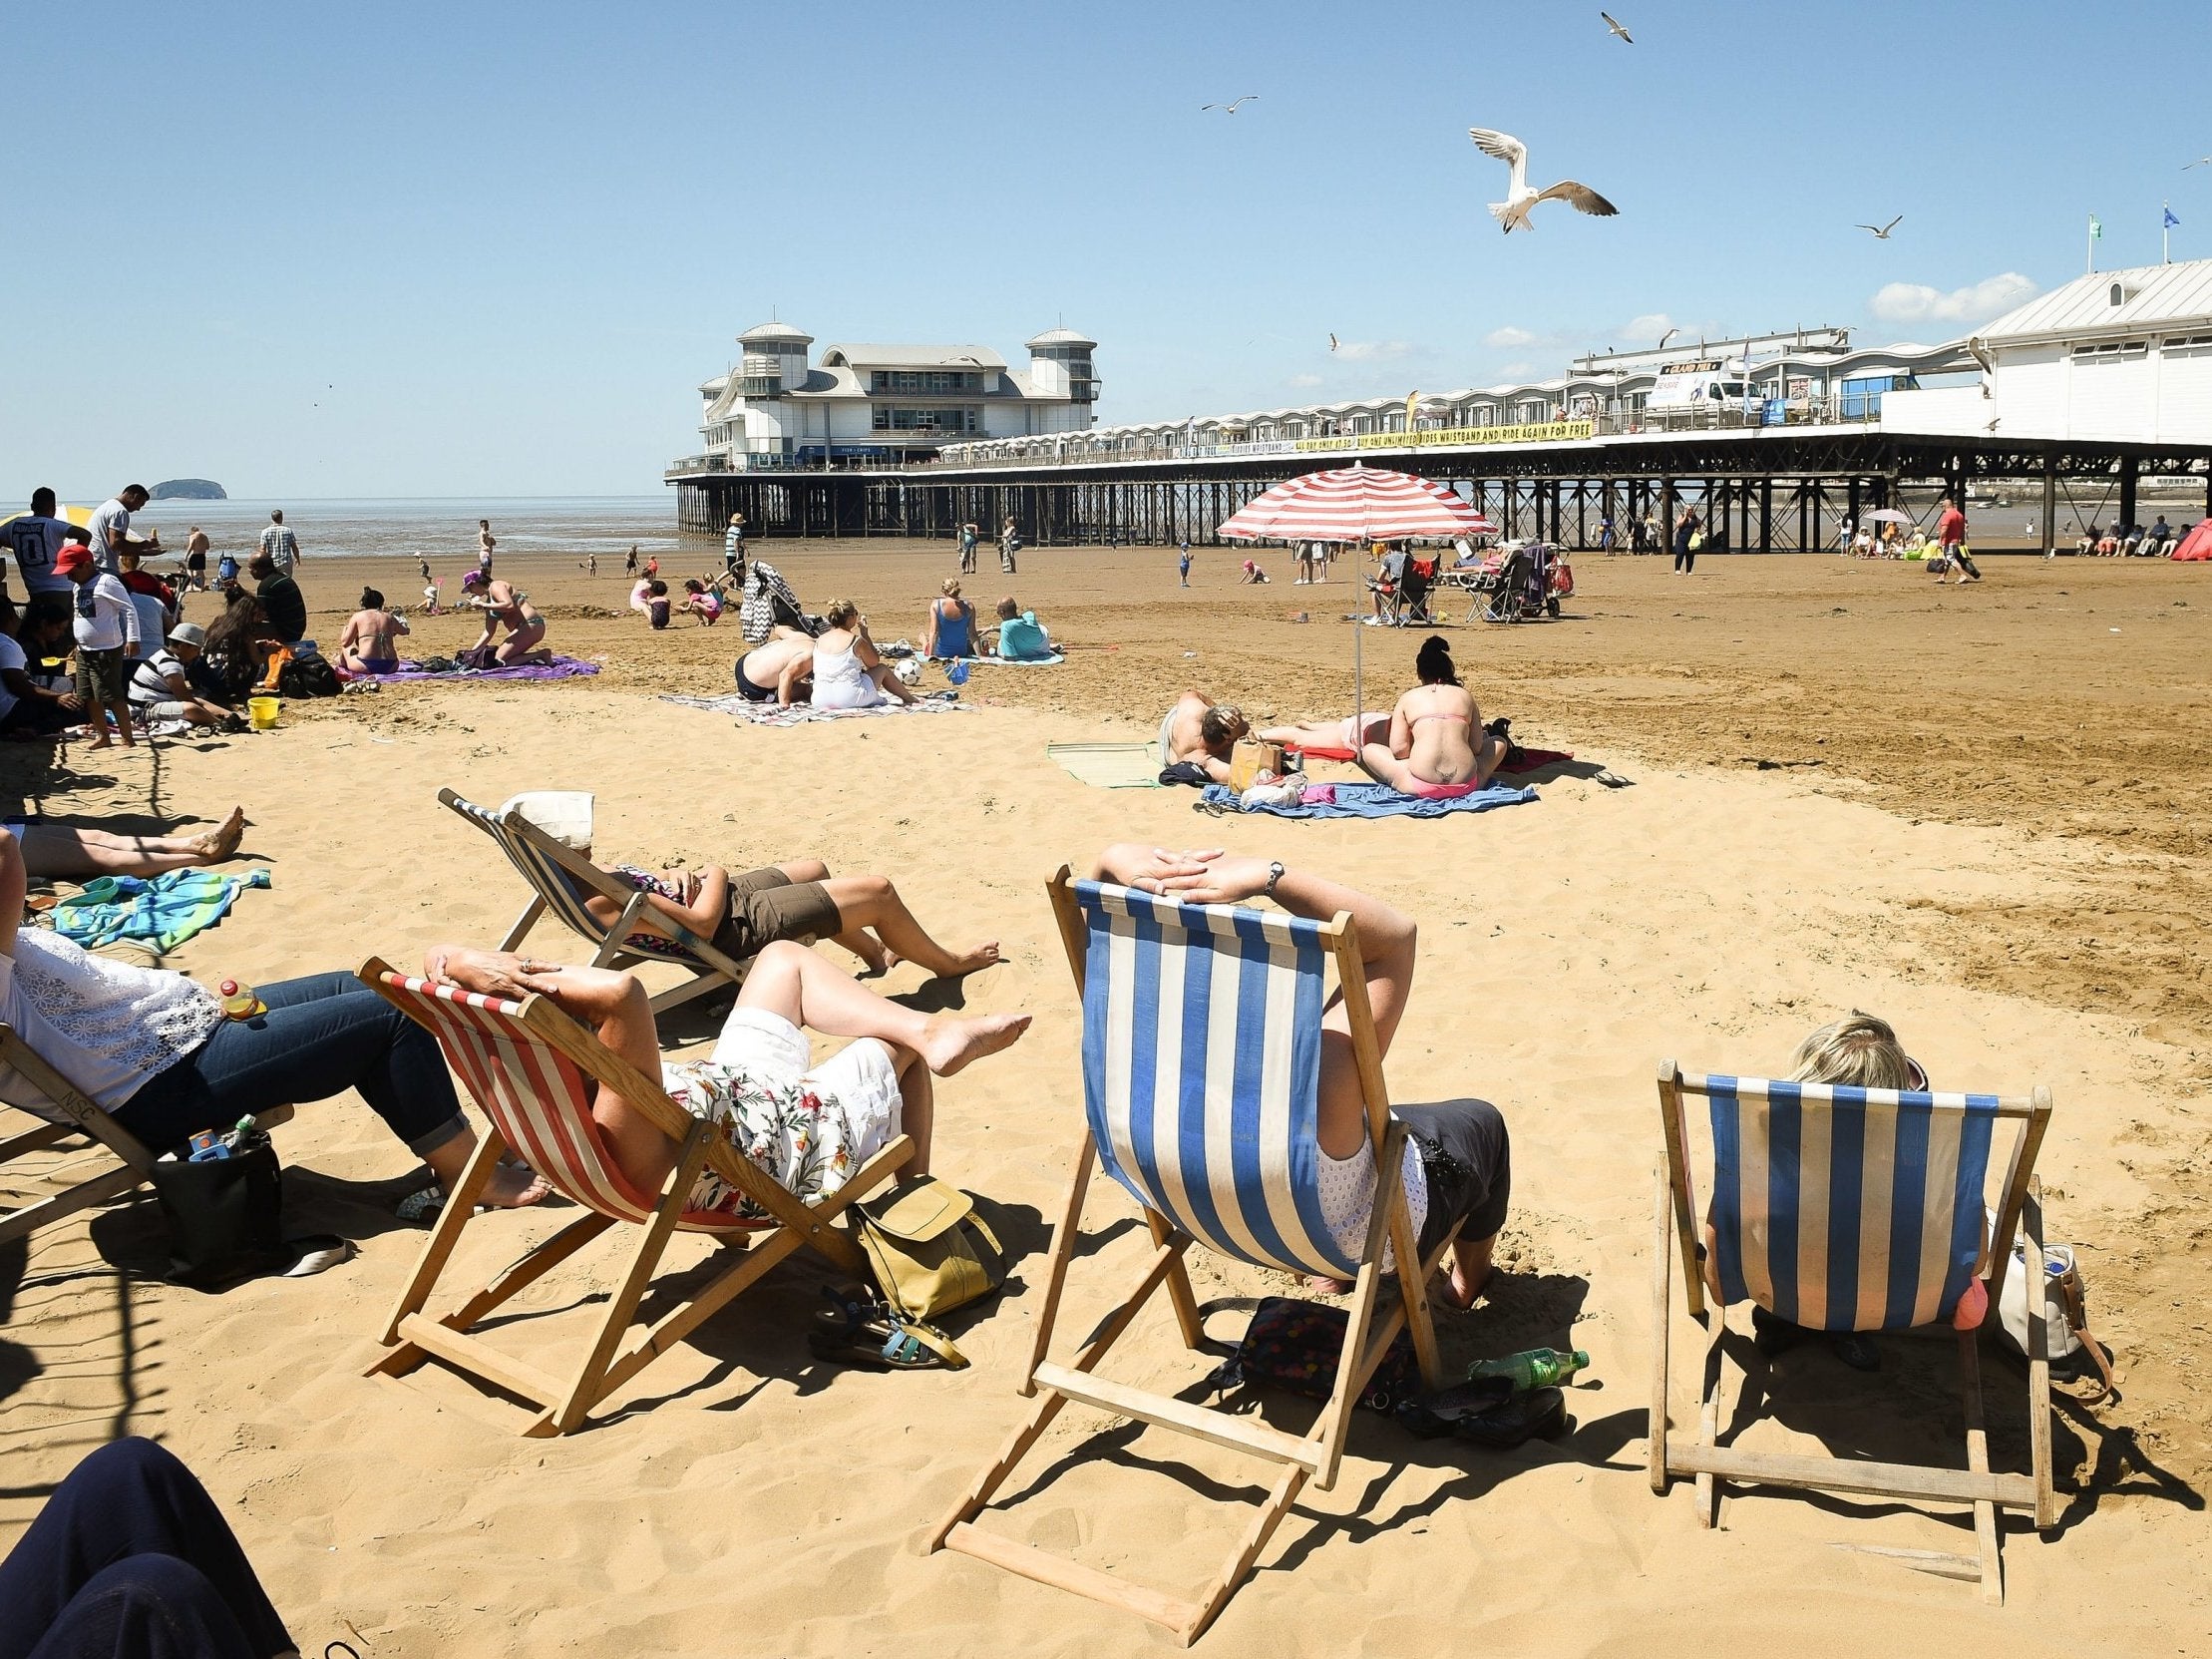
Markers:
1463,1170
157,1053
847,672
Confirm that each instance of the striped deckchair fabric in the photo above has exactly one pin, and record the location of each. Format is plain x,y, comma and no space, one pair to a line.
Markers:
1202,1049
1848,1209
534,1071
562,880
1201,1062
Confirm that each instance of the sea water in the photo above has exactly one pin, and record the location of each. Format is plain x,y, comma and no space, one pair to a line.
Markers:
442,530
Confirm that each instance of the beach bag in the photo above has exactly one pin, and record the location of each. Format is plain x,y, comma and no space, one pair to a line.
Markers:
1249,759
2074,1351
1294,1345
308,676
224,1216
928,1249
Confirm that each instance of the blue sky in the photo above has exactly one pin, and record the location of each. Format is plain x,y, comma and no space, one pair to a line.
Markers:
448,250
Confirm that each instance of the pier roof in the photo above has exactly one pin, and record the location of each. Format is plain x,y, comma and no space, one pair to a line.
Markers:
2149,296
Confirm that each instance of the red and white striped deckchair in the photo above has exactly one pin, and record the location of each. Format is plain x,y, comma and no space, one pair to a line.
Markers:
534,1071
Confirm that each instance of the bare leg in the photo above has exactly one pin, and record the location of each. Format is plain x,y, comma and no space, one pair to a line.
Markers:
122,712
60,850
792,981
916,1106
871,902
1307,734
1470,1269
891,685
513,1187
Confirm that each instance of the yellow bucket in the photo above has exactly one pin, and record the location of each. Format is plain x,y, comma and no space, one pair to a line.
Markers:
262,711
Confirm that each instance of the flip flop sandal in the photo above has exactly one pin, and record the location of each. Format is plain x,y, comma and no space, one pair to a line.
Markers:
1439,1414
318,1253
1539,1414
423,1206
888,1345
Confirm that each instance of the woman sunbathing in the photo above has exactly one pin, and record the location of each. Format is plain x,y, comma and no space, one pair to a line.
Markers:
809,1129
504,605
370,643
156,1052
1461,1169
780,672
1434,732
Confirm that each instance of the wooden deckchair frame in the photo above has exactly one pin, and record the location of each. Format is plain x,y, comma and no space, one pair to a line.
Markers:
563,1404
714,969
133,1164
1315,1455
1975,1485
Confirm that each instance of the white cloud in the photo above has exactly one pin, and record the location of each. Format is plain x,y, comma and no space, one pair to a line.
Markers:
1302,381
1977,302
1375,351
1514,371
1649,326
1509,339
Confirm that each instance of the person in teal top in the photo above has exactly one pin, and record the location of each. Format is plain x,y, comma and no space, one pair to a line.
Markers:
1021,637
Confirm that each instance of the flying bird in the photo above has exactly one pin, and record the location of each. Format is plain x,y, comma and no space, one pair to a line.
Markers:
1513,212
1613,27
1332,342
2201,160
1229,109
1668,335
1881,231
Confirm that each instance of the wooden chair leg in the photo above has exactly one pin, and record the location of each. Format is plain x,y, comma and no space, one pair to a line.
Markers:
1663,1283
1064,1241
1333,1426
1708,1413
460,1204
1406,1250
1978,1460
1179,1295
1216,1595
582,1392
524,922
2039,1362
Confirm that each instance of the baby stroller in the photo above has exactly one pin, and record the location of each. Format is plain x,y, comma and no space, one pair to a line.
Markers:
767,602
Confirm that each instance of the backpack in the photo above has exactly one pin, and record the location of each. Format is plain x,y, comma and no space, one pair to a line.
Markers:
307,676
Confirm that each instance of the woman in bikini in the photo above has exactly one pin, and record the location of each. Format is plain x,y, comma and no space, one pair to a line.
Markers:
504,604
780,671
1437,747
371,641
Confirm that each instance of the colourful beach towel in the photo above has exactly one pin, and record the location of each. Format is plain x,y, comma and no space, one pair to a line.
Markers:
747,713
1374,801
163,911
561,668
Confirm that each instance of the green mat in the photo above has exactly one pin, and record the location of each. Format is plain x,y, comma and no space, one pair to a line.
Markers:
1109,765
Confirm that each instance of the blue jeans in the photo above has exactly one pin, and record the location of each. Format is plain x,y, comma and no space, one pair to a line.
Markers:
132,1559
322,1036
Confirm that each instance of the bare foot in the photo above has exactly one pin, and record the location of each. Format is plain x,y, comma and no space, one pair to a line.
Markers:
984,955
1460,1287
513,1188
104,743
221,841
949,1044
1323,1286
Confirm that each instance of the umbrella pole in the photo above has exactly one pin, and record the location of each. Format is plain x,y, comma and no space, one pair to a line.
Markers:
1358,641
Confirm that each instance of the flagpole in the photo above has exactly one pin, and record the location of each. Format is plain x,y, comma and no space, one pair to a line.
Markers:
2089,265
2165,232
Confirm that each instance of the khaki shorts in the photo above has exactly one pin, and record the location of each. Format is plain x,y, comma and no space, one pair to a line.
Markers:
100,675
767,905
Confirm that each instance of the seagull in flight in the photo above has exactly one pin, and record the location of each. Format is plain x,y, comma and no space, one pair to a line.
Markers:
1513,212
2201,160
1229,109
1668,335
1613,27
1332,342
1881,231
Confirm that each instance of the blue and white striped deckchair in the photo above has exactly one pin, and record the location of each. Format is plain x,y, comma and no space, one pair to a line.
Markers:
1202,1054
561,878
1850,1209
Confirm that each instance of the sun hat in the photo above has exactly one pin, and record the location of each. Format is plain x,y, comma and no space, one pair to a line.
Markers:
475,579
188,634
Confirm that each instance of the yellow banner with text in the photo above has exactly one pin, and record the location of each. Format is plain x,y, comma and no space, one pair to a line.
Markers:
1455,437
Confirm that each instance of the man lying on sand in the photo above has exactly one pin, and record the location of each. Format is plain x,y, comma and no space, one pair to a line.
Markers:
1462,1165
1199,731
757,1085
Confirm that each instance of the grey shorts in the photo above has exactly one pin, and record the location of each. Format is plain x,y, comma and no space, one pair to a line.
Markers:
100,675
767,905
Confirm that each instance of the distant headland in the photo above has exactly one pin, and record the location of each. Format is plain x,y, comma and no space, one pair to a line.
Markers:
189,489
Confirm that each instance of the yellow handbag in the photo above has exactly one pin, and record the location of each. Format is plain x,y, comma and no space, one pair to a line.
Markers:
930,1250
1249,759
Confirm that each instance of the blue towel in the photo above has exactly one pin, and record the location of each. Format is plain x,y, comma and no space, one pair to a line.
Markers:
1378,800
163,909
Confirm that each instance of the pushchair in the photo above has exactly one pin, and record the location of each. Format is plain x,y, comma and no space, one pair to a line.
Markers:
769,602
1520,587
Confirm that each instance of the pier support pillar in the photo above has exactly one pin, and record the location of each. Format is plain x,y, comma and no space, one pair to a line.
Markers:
2050,504
2128,467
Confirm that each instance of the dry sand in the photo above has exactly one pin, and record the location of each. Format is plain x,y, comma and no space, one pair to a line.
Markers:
1980,812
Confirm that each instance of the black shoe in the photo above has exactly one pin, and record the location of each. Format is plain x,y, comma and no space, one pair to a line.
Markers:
1855,1349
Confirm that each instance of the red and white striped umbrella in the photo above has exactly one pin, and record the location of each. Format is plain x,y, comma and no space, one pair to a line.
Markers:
1354,503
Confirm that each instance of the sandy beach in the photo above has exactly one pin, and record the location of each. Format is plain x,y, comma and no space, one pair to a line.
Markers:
1979,811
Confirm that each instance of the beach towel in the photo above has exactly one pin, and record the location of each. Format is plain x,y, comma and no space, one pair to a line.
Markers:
767,715
561,668
1523,760
1004,661
1374,801
163,911
1109,765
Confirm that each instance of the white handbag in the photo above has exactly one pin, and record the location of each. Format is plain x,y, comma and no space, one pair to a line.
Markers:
2066,1313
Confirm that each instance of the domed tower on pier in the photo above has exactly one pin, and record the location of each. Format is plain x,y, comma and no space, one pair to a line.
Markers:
775,359
1060,366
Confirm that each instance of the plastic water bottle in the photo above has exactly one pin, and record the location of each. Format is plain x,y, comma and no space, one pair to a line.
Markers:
239,1002
1538,1368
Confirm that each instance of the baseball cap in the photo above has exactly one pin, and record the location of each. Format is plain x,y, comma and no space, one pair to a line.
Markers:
188,634
74,556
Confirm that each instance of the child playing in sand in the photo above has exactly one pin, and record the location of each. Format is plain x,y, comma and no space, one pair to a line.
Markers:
701,603
656,604
1253,574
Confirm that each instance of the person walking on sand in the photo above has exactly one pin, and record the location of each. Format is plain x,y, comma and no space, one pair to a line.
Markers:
1183,564
969,536
1010,543
733,549
485,543
1951,541
1685,542
195,561
280,544
629,565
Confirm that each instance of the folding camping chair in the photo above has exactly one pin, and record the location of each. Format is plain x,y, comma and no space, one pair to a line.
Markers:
67,1114
534,1071
560,879
1852,1209
1202,1040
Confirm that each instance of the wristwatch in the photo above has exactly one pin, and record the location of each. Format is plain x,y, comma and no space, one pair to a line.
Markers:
1274,874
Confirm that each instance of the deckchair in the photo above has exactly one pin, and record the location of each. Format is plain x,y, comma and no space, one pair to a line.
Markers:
561,878
67,1114
1851,1210
1202,1043
534,1071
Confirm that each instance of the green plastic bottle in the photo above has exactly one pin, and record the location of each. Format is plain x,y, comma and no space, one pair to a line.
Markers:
1539,1368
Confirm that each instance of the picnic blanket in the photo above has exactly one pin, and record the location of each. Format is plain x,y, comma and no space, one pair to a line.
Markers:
1109,765
999,661
561,668
163,911
1373,800
748,712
